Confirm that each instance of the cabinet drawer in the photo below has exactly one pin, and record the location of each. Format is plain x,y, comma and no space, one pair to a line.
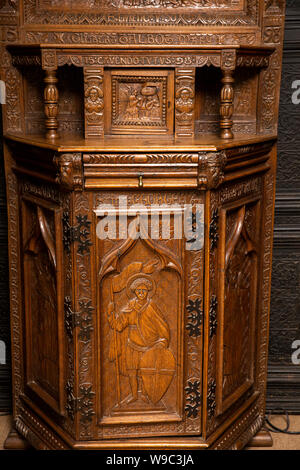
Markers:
140,170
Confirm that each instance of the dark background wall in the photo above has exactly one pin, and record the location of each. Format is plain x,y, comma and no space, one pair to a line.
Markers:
284,376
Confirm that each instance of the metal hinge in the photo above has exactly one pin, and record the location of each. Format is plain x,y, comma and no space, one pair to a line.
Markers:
211,398
82,404
213,229
195,317
79,233
213,322
82,319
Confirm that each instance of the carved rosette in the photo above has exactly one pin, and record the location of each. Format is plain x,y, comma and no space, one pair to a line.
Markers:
184,102
211,169
93,101
69,173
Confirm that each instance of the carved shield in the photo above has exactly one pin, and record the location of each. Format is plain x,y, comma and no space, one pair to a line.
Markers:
157,368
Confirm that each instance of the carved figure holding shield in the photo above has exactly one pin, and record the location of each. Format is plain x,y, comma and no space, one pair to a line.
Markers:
140,347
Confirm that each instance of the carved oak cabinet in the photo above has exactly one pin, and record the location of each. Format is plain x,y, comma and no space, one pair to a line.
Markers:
125,336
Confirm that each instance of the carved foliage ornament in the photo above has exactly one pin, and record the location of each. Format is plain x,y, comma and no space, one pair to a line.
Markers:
153,12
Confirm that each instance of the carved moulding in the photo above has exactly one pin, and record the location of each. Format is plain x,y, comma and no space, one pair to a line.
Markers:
167,39
69,167
239,434
155,13
139,59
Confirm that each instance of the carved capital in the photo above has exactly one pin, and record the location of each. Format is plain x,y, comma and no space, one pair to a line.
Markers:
69,173
49,59
228,59
211,169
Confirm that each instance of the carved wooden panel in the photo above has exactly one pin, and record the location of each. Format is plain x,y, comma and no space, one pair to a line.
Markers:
119,339
137,12
150,328
239,225
235,231
41,237
141,102
94,101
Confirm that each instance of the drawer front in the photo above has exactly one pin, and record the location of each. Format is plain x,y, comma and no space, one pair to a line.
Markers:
140,170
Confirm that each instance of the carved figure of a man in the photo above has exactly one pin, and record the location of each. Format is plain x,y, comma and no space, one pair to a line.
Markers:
144,328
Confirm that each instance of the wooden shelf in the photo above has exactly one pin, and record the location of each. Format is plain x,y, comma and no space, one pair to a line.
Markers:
139,144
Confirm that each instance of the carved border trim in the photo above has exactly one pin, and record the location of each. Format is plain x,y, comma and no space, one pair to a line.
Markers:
33,14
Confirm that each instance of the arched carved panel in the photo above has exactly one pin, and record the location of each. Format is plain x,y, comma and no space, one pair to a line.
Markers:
149,329
239,267
42,270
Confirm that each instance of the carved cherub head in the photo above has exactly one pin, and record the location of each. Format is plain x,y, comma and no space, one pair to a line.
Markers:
185,93
94,93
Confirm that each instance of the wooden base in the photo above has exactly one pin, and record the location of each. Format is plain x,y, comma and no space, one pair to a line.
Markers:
262,439
15,442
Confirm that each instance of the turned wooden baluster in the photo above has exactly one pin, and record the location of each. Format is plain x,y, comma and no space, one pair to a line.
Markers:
51,103
226,108
228,65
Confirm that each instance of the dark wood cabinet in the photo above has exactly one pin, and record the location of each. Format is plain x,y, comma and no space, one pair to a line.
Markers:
140,168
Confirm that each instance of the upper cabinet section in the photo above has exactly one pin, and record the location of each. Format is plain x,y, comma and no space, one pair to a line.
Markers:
91,67
180,92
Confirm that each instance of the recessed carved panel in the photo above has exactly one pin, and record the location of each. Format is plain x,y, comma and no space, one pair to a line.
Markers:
138,12
146,308
141,337
240,226
141,102
42,268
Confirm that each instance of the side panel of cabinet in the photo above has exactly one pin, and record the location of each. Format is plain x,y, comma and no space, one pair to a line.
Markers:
235,249
239,251
43,308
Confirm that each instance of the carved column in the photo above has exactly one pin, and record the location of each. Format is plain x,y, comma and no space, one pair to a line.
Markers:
184,102
228,64
51,103
93,102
